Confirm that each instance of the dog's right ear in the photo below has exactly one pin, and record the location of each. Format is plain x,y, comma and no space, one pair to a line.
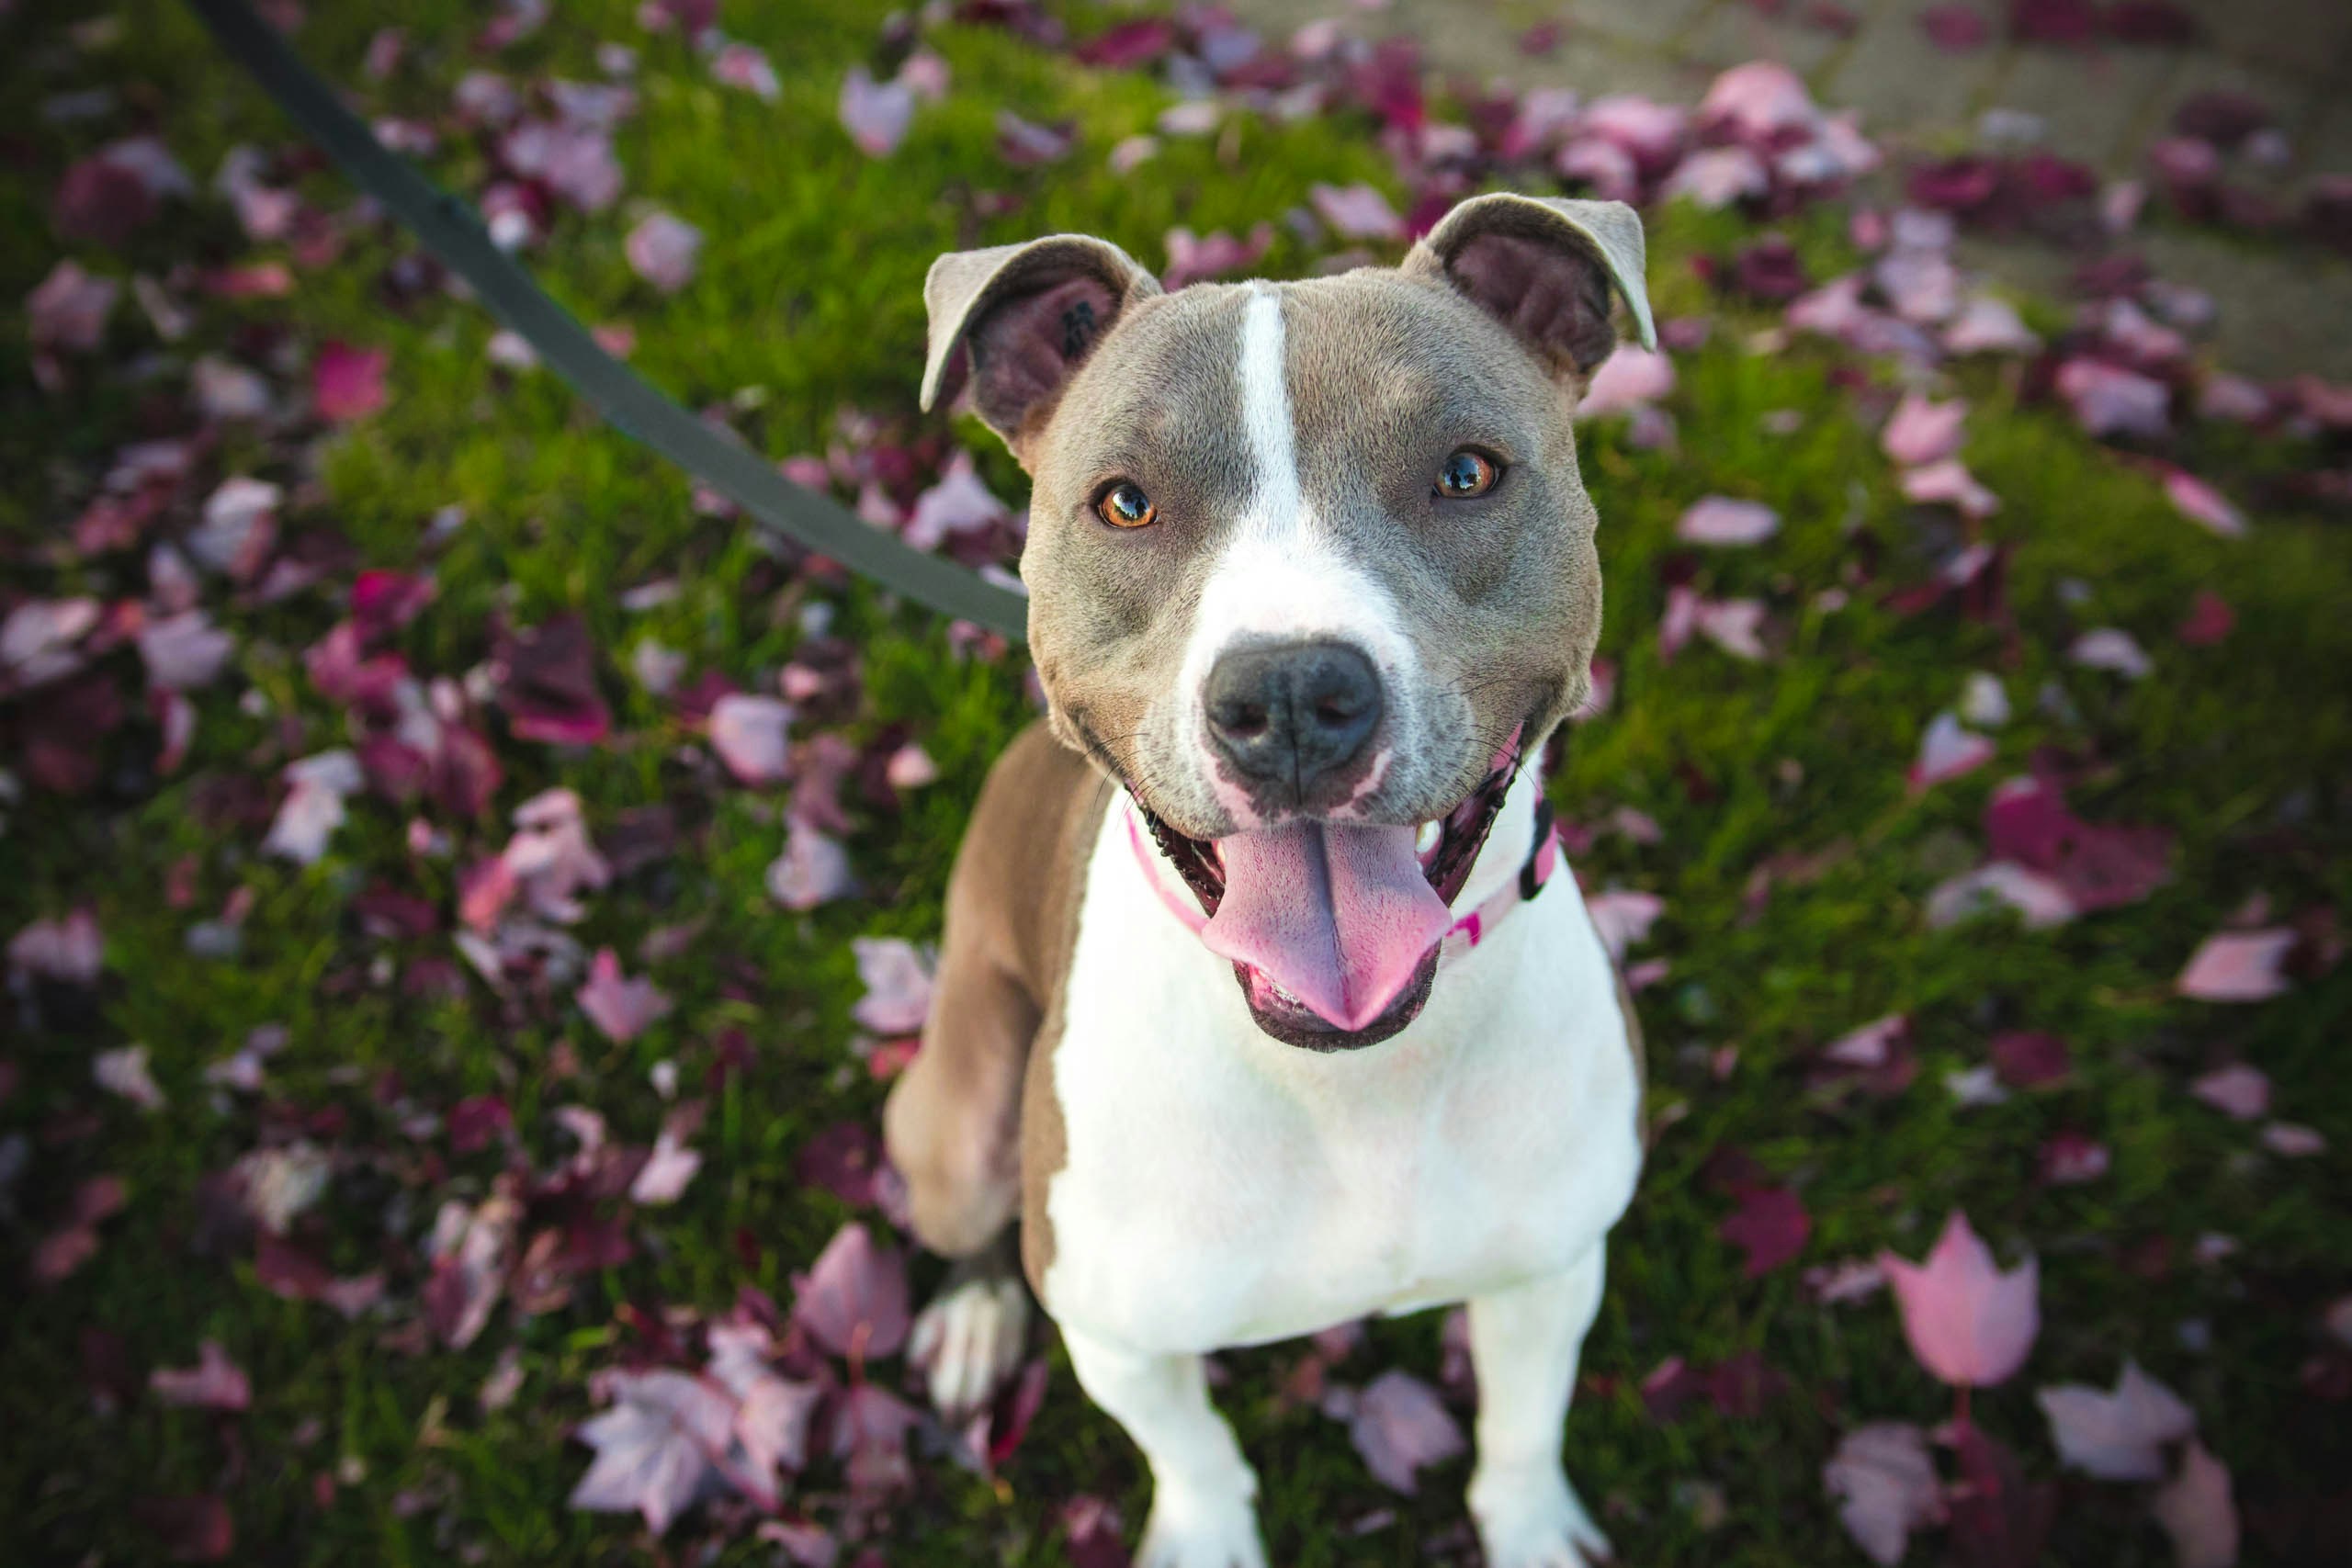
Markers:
1018,320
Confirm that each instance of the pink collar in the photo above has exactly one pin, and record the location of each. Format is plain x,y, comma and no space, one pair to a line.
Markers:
1467,931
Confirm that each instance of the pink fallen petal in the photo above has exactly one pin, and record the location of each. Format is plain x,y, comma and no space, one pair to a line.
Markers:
663,1177
749,734
813,869
1770,1225
876,114
741,66
2210,620
70,309
185,651
622,1009
1869,1046
2238,966
1631,377
2118,1436
1400,1426
1622,918
314,806
2292,1140
655,1445
1215,254
2197,1512
2111,649
1648,131
663,251
960,503
2108,400
1758,100
1922,432
215,1382
1947,749
124,1071
1948,483
1720,520
897,985
1714,177
1967,1321
853,1301
347,383
70,950
2236,1091
1356,211
2070,1159
1885,1483
2204,505
1989,326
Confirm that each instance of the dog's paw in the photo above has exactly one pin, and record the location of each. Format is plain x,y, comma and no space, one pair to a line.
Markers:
969,1339
1193,1530
1535,1521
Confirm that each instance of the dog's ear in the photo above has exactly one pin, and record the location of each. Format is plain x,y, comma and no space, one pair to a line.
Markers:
1544,268
1018,320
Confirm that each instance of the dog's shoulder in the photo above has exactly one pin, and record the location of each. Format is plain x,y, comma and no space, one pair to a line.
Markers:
1021,869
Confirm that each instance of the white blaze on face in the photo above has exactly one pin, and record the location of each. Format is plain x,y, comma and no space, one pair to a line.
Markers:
1281,574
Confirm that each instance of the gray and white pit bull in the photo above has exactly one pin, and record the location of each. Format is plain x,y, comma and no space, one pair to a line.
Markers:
1259,1003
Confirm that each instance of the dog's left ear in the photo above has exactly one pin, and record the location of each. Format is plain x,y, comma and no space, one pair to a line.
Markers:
1544,267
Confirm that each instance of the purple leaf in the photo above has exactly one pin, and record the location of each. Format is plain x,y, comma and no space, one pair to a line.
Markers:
622,1009
654,1445
347,383
663,251
2118,1435
1400,1426
1885,1486
1770,1225
853,1301
1968,1322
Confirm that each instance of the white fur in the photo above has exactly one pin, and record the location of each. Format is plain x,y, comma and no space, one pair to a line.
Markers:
1223,1189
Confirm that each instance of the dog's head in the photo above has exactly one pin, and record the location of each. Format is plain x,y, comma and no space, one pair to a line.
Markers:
1310,565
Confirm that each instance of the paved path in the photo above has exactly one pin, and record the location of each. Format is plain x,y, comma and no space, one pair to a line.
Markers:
2283,308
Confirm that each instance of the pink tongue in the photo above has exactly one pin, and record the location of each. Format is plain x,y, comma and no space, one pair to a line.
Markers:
1338,917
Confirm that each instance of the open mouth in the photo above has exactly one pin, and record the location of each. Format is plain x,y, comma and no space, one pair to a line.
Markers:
1333,929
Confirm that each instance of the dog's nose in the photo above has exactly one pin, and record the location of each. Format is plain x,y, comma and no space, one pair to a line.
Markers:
1292,713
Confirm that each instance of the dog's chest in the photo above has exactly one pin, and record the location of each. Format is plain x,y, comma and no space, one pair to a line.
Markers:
1218,1188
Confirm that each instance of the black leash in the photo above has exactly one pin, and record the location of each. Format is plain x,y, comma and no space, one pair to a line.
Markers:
454,236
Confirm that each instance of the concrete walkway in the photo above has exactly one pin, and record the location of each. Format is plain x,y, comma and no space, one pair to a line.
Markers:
2284,308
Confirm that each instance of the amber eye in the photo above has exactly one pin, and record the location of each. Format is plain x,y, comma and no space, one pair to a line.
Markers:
1124,505
1465,474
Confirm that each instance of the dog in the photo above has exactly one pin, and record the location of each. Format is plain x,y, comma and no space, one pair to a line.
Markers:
1260,1002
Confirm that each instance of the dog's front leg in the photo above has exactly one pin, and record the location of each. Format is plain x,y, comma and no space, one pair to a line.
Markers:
1203,1492
1524,1342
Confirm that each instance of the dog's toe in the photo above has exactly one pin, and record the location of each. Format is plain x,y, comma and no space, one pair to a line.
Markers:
970,1339
1535,1522
1200,1532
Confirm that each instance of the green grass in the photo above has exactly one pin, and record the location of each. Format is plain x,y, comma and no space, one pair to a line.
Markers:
810,291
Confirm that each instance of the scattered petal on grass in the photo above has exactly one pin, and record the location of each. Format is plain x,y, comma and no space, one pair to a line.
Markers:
2110,647
314,806
622,1009
1720,520
749,734
2202,504
663,1177
1885,1485
1948,483
740,65
853,1301
1357,211
1770,1225
1400,1426
2292,1140
2198,1513
2118,1436
876,114
70,950
2236,1090
123,1071
215,1382
2108,400
1630,378
897,985
347,383
1622,918
1968,1322
654,1446
2238,966
1947,749
664,250
1922,432
70,309
813,869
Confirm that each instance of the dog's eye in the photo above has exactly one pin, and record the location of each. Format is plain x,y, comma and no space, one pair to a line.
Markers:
1466,474
1124,505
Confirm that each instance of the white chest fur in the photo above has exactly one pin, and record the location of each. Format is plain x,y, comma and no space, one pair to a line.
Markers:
1221,1188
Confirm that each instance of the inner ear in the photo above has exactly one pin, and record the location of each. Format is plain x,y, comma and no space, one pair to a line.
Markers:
1024,350
1552,299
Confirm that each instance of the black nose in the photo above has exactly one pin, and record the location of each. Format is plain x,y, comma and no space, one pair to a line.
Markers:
1291,714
